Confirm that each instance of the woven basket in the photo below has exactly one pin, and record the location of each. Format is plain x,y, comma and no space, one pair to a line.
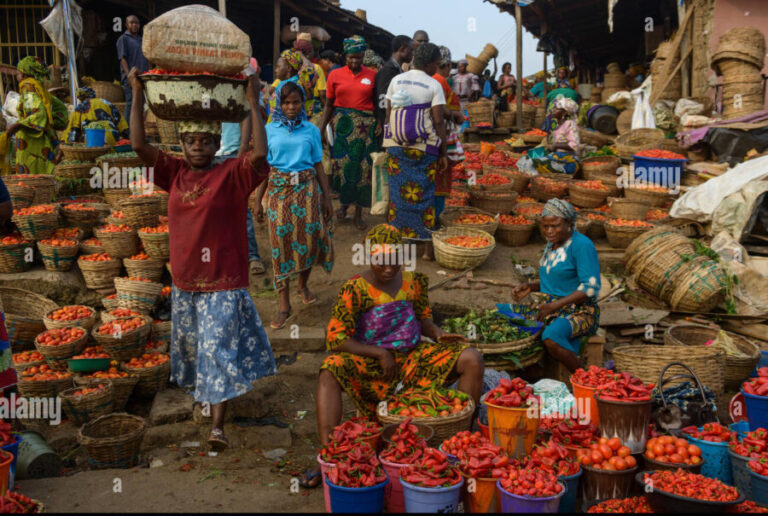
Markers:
21,196
141,211
156,245
43,185
449,217
85,219
84,322
533,138
660,268
615,80
86,249
121,161
57,356
670,144
164,197
167,131
24,312
109,304
100,275
620,237
82,153
108,317
43,389
108,91
507,119
122,388
508,365
114,196
542,192
12,258
74,170
594,229
507,347
128,346
519,180
647,361
37,227
120,244
21,367
151,269
624,121
493,202
113,440
628,209
455,257
137,295
82,409
629,144
602,168
586,197
728,65
161,331
151,379
480,112
58,258
514,235
653,199
744,43
444,427
701,290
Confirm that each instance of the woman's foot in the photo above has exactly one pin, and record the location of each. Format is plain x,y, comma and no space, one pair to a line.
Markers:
281,318
257,267
307,297
217,441
360,224
312,478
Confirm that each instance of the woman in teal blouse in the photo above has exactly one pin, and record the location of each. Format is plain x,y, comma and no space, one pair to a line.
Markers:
569,281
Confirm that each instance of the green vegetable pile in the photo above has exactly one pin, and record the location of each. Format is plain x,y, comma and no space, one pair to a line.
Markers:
75,162
605,150
516,357
487,327
117,155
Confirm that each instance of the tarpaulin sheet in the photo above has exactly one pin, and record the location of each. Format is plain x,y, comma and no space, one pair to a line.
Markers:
731,145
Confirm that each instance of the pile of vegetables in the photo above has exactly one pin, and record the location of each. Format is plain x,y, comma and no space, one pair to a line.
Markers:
659,154
360,468
488,326
407,445
572,432
485,460
594,376
512,393
634,505
433,402
469,242
691,485
759,385
529,482
432,470
668,449
607,454
754,444
626,388
552,458
711,432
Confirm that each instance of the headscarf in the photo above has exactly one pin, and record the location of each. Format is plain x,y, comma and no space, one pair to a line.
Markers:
279,116
303,46
199,126
85,92
383,238
560,208
34,67
445,55
355,45
541,75
292,58
306,71
371,59
568,105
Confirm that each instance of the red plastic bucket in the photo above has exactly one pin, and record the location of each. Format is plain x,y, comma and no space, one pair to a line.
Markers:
325,467
585,398
484,430
393,493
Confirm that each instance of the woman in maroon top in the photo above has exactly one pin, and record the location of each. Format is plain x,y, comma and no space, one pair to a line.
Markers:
218,344
350,92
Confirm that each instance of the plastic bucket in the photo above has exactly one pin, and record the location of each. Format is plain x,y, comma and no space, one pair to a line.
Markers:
95,137
512,503
393,493
14,449
568,501
672,170
356,499
375,441
626,420
763,362
325,467
740,472
453,459
480,495
717,462
484,430
582,392
759,488
512,429
757,410
6,458
36,459
431,499
741,428
599,484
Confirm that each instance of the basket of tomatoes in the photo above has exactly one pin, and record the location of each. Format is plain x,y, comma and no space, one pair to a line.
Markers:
142,265
84,403
462,247
119,241
609,469
141,210
588,194
21,194
36,222
668,453
156,241
91,246
153,370
591,223
99,270
139,294
71,315
621,232
469,217
58,253
14,256
123,383
653,195
59,344
43,382
123,338
25,359
514,230
550,186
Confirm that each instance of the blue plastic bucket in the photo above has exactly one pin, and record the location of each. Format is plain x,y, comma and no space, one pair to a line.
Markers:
717,462
659,171
763,362
357,499
431,499
759,488
757,410
453,459
568,501
512,503
741,428
14,449
741,474
95,137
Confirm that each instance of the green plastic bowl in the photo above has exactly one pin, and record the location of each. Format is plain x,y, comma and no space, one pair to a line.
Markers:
126,147
88,365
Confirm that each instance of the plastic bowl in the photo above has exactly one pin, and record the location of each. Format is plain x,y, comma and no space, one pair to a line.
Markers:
88,365
123,148
668,466
663,502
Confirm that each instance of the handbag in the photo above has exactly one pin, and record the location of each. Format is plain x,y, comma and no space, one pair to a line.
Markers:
670,417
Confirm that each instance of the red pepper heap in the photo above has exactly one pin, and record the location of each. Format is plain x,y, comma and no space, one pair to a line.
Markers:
659,154
485,460
369,426
15,503
360,468
552,457
747,506
572,432
760,465
432,470
627,387
344,439
407,445
712,432
594,376
691,485
754,444
529,482
512,393
636,504
758,386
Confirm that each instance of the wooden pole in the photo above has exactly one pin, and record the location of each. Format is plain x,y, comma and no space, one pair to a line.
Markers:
223,7
685,73
276,35
544,91
519,43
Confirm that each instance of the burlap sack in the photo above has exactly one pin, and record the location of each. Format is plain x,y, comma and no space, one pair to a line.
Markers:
196,38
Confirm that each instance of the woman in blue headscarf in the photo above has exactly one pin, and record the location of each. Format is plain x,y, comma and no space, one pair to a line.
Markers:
569,282
299,208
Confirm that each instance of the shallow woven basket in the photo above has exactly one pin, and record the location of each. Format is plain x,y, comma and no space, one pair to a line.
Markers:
12,258
141,211
627,208
157,245
43,185
449,217
128,346
507,347
456,257
74,170
620,237
113,440
83,322
493,202
533,138
602,168
161,330
519,179
37,227
654,199
43,389
21,196
58,258
137,295
151,379
509,365
108,91
701,290
21,367
514,234
82,153
109,304
122,388
586,197
100,275
444,427
121,244
107,317
57,356
114,196
24,312
541,193
647,361
82,409
151,268
629,144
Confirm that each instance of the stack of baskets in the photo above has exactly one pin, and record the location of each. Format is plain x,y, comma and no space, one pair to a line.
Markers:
480,112
42,185
739,58
666,58
476,65
458,257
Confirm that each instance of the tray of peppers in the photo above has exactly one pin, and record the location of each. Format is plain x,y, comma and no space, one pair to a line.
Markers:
431,470
427,403
407,445
627,389
360,468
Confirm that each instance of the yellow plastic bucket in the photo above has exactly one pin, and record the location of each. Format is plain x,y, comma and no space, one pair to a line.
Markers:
513,429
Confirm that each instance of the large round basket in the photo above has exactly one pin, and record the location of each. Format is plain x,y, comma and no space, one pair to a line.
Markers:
58,258
114,196
629,144
620,237
108,91
24,312
627,208
141,211
546,188
151,268
457,257
652,198
584,197
86,322
519,179
593,228
74,170
533,138
659,269
156,245
13,257
514,235
126,346
151,379
44,388
37,227
493,202
647,361
99,275
81,409
120,160
480,112
701,289
137,295
118,244
82,153
22,366
57,356
110,303
43,185
113,440
86,249
22,195
444,427
497,348
122,388
602,168
85,219
742,43
161,331
449,217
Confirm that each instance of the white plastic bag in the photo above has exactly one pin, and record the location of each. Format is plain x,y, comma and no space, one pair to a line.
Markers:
688,107
555,397
642,117
10,107
55,26
380,184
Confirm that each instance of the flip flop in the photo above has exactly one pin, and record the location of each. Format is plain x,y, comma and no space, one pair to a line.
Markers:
288,315
286,359
217,440
308,476
257,268
304,291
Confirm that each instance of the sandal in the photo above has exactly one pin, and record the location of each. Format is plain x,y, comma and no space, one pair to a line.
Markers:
310,475
257,267
305,293
217,440
277,325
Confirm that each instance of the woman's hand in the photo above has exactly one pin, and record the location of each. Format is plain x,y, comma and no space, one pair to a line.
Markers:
327,208
133,79
253,88
377,131
323,136
520,291
442,163
546,310
388,364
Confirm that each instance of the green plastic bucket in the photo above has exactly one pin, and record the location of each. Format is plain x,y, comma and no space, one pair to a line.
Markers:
36,459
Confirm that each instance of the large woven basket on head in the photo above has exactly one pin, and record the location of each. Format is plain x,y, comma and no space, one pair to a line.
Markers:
151,268
493,202
702,289
137,295
125,346
73,170
480,112
629,144
57,356
627,208
38,226
44,186
620,237
654,199
157,245
141,211
514,234
544,188
86,322
118,244
13,257
151,379
22,195
584,197
457,257
450,216
602,168
58,258
99,275
444,426
43,388
82,153
114,196
647,361
81,409
113,440
122,388
24,312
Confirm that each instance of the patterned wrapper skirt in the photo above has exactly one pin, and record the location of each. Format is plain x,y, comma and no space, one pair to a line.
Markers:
218,344
297,232
351,163
412,175
421,367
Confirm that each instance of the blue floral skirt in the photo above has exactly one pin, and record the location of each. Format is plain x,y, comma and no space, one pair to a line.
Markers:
218,344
